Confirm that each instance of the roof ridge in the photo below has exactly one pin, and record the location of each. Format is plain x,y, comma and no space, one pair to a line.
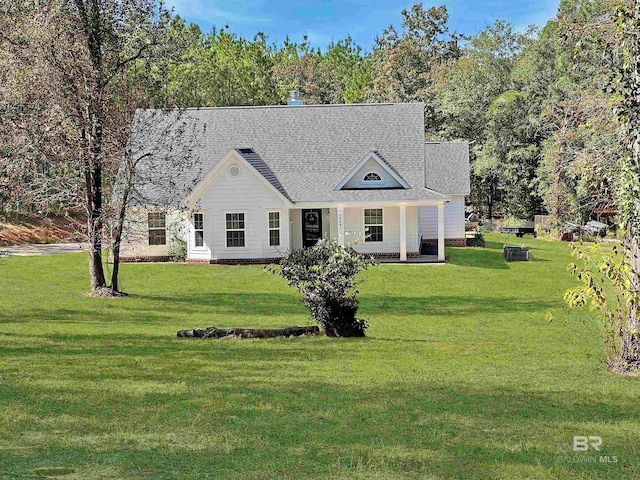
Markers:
247,107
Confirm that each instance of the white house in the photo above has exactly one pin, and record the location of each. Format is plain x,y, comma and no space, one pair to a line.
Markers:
266,180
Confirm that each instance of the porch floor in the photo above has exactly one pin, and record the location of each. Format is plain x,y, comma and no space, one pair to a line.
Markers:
420,259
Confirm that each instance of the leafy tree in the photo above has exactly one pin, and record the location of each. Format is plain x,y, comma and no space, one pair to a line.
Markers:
479,101
620,273
69,60
405,65
563,74
512,152
339,75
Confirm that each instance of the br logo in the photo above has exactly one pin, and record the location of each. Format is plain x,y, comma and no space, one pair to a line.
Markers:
583,444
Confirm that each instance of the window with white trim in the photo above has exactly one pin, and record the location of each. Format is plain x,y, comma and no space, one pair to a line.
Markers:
274,229
235,229
373,225
198,228
372,177
157,225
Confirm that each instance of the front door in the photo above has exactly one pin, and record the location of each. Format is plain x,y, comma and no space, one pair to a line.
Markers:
311,227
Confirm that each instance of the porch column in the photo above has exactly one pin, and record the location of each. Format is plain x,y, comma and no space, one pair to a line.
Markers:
441,232
287,228
403,233
340,221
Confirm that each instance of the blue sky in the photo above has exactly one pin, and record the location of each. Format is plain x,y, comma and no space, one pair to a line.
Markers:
326,20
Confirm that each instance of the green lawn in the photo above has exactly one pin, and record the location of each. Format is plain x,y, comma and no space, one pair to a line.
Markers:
460,376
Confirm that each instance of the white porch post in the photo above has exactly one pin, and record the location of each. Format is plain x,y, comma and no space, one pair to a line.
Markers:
441,232
340,221
287,228
403,233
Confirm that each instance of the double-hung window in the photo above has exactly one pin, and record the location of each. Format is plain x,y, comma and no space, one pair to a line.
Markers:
235,229
373,225
274,229
198,228
157,228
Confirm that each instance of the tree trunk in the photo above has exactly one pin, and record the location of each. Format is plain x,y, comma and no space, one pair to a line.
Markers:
115,251
94,204
117,237
630,354
490,209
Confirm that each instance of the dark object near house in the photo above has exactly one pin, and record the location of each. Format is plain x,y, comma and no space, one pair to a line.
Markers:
213,332
519,231
569,232
429,249
476,241
516,253
596,228
567,237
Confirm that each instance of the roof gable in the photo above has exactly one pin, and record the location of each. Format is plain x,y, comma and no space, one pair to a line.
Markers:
263,169
252,161
372,165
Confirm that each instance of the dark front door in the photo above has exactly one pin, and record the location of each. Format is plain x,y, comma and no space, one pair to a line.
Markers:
311,227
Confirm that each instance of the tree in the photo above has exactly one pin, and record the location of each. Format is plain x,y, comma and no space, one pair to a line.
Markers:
404,66
626,83
69,58
511,147
620,273
158,140
339,75
479,101
563,74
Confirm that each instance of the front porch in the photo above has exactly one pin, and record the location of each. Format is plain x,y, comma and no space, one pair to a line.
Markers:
392,231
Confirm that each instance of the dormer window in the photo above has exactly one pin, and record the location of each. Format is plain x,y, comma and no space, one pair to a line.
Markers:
372,172
372,177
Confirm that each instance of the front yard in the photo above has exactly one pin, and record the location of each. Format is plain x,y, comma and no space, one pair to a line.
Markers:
460,376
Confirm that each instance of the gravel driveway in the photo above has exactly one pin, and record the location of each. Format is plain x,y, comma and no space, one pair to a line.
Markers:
43,249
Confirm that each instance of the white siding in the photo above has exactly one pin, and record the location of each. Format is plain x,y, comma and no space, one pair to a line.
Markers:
413,237
453,219
371,165
135,238
333,222
326,224
354,228
246,194
296,229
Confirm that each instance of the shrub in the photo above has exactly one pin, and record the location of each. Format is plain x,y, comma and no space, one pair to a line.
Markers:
178,249
325,275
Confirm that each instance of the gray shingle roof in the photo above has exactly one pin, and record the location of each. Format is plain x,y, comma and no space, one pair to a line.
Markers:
447,167
304,151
